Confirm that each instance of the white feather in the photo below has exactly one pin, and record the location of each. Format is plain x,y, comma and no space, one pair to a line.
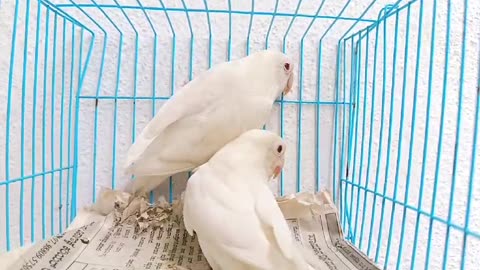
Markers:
228,204
205,114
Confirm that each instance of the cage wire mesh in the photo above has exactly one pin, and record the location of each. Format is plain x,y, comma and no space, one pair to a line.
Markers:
384,114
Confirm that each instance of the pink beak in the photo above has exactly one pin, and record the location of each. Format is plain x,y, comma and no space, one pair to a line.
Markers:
277,171
288,88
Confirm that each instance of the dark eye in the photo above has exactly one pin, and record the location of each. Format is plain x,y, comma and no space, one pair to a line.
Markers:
279,149
286,66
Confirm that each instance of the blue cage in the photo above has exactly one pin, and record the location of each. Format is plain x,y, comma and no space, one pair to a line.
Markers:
384,113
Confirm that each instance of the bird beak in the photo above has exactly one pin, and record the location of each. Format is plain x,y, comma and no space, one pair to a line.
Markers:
277,171
289,85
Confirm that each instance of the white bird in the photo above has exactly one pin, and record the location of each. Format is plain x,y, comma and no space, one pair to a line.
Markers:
205,114
230,207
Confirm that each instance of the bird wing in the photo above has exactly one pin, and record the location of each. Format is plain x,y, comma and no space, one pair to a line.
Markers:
179,107
272,219
221,213
182,116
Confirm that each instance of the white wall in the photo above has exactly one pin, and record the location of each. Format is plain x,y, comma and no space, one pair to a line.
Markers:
220,45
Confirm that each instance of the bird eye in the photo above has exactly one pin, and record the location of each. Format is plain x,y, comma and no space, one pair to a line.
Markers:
286,66
279,149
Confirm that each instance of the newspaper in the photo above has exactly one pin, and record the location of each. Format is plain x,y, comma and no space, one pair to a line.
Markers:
119,242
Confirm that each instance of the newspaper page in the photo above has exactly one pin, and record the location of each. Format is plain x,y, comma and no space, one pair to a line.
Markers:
314,222
96,242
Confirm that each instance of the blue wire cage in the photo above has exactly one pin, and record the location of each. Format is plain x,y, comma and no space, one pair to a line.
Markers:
384,114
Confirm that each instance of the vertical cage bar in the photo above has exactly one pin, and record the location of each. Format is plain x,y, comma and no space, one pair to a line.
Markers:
382,118
342,85
412,129
210,38
267,37
317,114
364,110
44,123
247,45
52,138
352,138
441,132
399,153
60,185
425,143
335,125
34,125
7,141
457,135
356,109
389,136
82,70
471,180
22,135
115,107
70,107
229,47
172,91
370,144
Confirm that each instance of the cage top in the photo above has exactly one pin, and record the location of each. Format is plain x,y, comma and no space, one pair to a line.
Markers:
317,19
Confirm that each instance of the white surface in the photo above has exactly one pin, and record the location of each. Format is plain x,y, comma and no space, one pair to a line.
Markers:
220,44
